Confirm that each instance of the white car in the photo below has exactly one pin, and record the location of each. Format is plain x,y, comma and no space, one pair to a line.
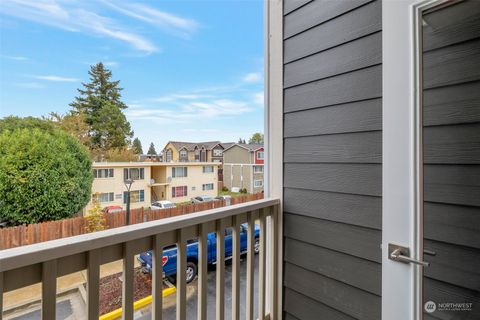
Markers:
226,198
163,204
202,199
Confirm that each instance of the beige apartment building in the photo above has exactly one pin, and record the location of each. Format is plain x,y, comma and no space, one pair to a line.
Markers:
153,181
243,167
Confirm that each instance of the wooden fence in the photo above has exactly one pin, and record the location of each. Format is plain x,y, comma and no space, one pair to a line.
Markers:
39,232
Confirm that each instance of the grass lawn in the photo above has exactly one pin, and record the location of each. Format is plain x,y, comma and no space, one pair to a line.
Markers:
230,193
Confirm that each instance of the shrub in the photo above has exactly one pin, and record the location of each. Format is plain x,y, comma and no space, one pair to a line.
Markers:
244,190
94,219
225,189
44,175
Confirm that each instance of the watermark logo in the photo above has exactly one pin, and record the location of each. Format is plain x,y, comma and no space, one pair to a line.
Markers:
430,306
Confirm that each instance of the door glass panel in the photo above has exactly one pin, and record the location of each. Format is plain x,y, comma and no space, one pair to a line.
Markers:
451,131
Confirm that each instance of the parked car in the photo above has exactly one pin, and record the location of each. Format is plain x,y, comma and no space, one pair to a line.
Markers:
169,259
163,204
201,199
112,209
226,198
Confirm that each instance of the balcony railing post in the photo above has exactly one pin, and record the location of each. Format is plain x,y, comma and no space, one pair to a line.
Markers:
93,281
157,278
127,284
181,275
49,289
250,264
236,268
273,303
202,272
1,295
261,267
220,290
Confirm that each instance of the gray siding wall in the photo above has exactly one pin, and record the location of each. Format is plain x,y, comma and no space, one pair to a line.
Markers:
333,154
452,156
332,159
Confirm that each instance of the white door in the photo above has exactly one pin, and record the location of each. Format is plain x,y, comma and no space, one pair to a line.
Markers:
417,69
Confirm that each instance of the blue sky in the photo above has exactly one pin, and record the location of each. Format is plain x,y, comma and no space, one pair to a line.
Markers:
191,70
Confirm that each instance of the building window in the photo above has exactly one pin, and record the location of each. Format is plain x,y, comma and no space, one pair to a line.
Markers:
207,186
179,191
260,155
168,155
102,173
197,155
217,152
183,155
207,169
257,169
258,183
103,197
135,196
179,172
134,173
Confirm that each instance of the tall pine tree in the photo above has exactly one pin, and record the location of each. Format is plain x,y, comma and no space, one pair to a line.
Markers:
152,150
137,146
100,102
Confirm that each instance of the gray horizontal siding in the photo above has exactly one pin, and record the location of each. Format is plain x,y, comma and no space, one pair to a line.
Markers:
357,272
452,145
452,105
347,27
353,240
309,309
349,117
291,5
332,155
452,65
354,302
318,66
315,13
365,147
446,27
353,86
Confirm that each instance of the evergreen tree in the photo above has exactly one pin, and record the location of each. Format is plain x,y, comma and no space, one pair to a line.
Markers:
151,150
100,102
137,146
240,140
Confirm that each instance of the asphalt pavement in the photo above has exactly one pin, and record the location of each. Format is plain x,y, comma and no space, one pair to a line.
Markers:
169,309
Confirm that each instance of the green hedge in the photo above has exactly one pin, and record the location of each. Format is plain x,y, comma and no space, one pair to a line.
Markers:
45,174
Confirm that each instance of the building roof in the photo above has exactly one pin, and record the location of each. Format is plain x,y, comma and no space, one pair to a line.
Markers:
190,146
151,164
249,146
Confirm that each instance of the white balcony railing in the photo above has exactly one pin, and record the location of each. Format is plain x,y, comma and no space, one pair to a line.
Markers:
45,262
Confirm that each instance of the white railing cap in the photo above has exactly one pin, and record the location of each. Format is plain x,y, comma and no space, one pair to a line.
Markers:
18,257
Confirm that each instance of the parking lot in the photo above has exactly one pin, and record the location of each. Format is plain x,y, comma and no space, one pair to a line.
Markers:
169,309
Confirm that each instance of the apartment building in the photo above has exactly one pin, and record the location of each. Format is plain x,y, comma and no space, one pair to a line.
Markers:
177,182
178,151
243,167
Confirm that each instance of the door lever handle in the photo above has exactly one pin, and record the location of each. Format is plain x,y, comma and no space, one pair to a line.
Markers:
402,254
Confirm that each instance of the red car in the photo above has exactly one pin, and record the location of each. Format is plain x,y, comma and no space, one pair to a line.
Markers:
112,209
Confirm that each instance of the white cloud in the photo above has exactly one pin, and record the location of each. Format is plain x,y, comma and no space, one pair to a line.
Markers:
164,20
180,96
252,77
111,63
56,78
72,17
191,111
17,58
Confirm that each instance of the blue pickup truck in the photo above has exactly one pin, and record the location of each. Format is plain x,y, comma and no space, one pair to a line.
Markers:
169,259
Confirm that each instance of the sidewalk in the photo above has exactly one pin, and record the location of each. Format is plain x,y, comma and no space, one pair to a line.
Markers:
33,293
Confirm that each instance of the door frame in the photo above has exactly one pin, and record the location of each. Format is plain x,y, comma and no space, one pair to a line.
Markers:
402,171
